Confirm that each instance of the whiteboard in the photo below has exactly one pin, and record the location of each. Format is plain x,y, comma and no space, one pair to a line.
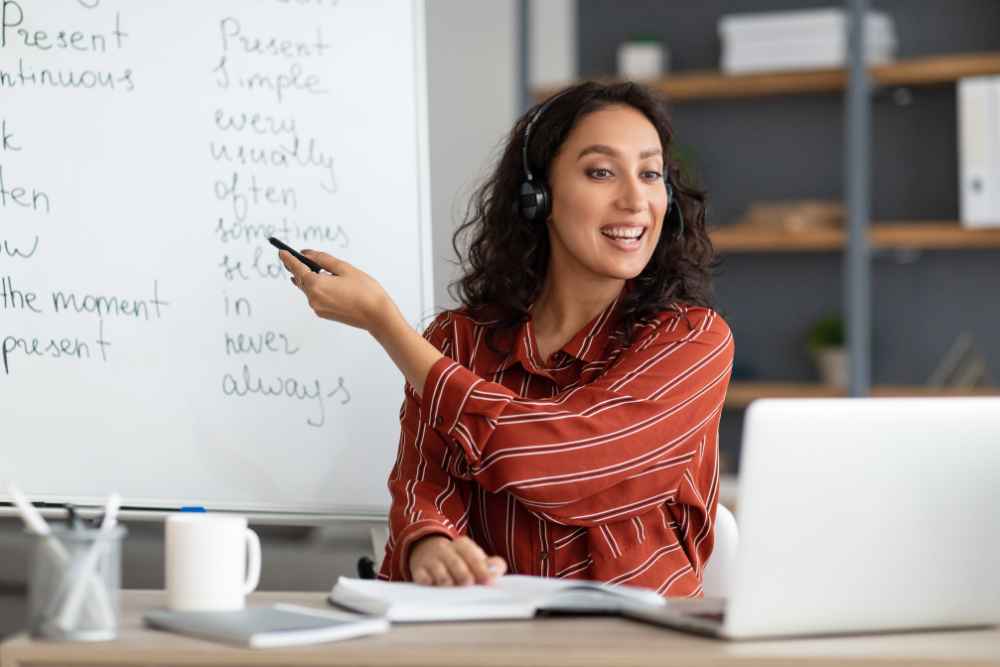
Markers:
151,341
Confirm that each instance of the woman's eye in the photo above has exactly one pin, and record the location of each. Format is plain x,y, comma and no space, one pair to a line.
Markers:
599,172
652,175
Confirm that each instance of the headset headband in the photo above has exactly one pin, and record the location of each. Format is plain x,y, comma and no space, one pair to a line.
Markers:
527,132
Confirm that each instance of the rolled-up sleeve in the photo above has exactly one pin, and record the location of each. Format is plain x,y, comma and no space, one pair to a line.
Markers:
427,498
600,451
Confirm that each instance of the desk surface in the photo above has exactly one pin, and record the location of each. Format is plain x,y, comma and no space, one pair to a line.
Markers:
548,641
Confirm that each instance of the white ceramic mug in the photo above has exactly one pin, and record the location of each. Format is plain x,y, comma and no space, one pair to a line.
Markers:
212,562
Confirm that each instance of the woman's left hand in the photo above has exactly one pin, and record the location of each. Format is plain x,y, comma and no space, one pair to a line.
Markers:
349,296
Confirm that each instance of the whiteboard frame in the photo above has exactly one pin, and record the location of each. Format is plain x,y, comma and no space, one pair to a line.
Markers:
311,514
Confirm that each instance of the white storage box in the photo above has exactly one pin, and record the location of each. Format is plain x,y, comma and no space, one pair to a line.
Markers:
799,24
799,54
802,39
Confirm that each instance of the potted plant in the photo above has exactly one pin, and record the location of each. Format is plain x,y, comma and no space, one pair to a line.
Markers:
826,342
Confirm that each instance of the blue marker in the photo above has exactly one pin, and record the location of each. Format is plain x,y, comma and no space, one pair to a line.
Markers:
192,508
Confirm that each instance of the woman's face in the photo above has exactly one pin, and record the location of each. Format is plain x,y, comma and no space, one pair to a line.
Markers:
608,196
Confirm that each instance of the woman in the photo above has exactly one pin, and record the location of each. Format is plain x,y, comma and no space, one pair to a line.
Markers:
564,421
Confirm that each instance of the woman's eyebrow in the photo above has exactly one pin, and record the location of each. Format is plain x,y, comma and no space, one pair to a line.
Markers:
611,152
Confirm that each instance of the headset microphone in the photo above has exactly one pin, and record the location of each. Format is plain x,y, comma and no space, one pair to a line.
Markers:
675,217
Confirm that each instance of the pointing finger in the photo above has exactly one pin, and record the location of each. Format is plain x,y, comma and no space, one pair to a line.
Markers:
300,272
335,266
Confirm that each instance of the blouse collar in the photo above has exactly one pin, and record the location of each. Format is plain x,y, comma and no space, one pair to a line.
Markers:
587,345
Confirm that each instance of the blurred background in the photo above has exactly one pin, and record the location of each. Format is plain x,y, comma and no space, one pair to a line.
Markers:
758,93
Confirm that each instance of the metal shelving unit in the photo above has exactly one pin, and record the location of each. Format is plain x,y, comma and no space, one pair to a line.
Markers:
860,237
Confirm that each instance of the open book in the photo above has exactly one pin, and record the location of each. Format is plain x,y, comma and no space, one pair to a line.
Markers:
511,596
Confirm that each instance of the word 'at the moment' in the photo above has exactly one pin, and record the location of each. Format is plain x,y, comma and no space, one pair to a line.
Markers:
13,297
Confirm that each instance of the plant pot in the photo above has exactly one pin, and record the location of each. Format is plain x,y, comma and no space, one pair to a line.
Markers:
832,365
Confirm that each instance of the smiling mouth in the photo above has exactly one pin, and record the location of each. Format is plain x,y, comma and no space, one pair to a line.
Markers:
626,236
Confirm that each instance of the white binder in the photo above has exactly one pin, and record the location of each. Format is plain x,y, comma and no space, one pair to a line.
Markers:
979,151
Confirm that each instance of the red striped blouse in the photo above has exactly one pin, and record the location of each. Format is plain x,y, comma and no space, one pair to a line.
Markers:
601,465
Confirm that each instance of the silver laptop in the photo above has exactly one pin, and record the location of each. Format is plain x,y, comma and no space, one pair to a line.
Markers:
861,515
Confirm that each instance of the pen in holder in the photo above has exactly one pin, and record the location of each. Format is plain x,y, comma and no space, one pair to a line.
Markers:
73,584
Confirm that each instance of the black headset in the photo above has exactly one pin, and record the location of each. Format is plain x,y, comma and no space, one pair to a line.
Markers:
534,203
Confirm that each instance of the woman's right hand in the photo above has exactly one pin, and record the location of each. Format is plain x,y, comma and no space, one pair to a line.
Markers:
439,561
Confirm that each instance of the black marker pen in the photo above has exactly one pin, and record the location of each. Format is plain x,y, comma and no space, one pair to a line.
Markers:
316,268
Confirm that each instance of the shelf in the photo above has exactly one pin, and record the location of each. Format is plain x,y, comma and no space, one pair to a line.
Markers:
905,235
927,71
741,238
740,394
934,236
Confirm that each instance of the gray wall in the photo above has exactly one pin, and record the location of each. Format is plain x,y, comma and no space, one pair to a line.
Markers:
472,59
791,147
472,99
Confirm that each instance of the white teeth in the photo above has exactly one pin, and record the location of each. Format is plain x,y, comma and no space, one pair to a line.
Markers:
623,232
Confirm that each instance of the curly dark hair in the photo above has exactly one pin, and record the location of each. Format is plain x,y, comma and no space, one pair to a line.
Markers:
507,258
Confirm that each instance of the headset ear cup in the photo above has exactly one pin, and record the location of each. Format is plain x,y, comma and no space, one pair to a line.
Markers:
544,204
533,202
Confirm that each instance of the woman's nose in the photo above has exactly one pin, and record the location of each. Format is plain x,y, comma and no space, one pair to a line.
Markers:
631,195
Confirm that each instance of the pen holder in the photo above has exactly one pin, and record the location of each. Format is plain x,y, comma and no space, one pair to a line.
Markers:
73,584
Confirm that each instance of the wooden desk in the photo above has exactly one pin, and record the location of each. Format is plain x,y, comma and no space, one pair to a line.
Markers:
548,641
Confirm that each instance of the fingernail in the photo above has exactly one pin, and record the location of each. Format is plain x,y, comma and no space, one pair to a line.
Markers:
492,568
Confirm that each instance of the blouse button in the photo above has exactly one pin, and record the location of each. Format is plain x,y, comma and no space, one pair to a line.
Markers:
543,555
439,420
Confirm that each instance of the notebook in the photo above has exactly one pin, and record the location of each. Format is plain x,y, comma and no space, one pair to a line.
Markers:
266,627
510,597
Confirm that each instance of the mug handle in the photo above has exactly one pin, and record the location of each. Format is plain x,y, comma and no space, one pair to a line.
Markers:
253,562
